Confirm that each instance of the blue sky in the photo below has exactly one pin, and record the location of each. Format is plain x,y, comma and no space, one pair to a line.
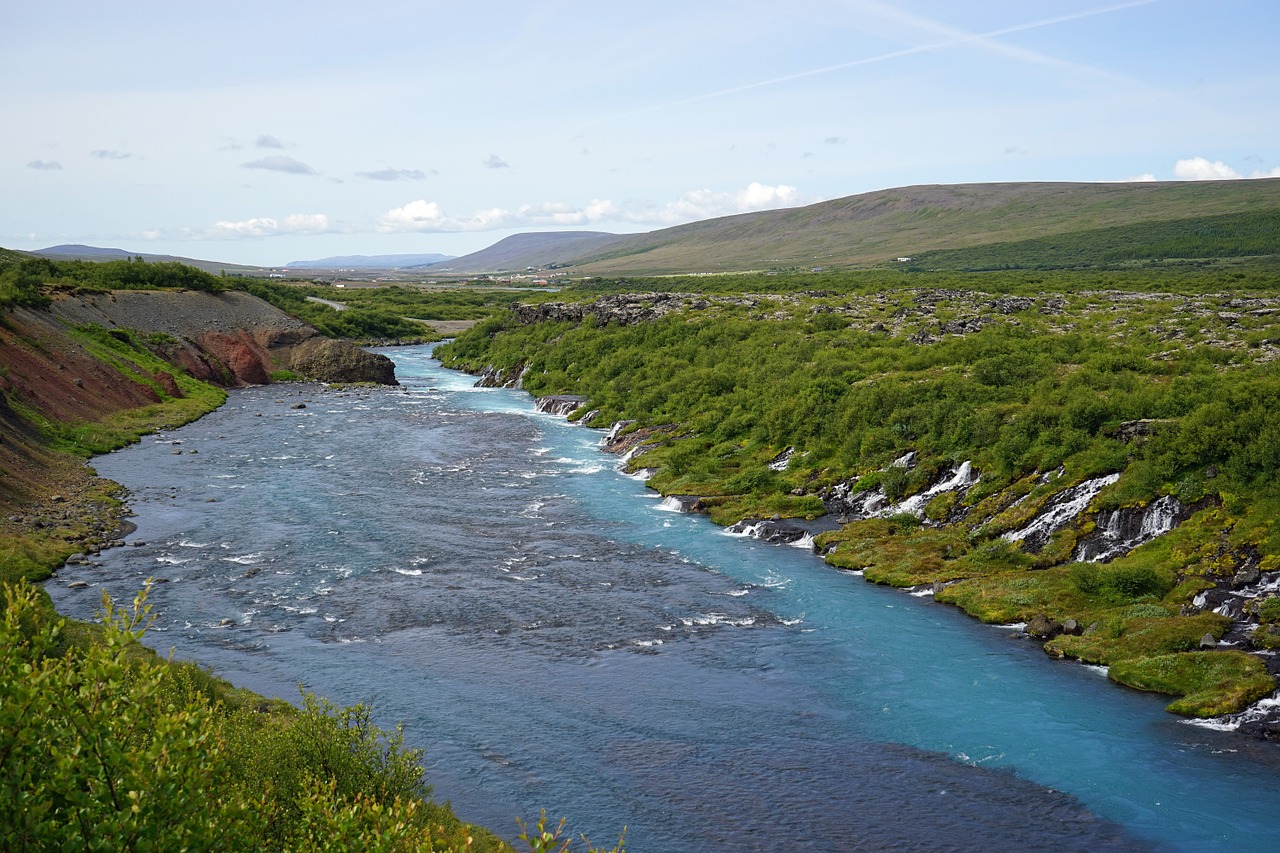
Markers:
264,132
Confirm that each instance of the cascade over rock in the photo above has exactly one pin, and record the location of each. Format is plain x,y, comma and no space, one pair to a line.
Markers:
1119,531
1062,509
560,404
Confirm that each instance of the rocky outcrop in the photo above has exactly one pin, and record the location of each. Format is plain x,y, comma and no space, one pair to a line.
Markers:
496,377
226,338
339,361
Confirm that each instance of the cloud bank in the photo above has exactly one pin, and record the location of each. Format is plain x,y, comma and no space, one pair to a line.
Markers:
429,216
395,175
1201,169
296,223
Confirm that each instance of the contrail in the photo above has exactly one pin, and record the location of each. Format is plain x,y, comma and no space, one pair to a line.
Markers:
884,57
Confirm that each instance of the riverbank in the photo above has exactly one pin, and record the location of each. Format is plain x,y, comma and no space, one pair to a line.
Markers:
1021,460
571,646
93,374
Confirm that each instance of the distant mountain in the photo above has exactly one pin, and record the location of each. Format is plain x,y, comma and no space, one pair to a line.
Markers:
537,250
370,262
881,226
77,252
955,226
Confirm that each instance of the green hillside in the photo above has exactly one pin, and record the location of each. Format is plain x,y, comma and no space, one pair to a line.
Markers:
881,226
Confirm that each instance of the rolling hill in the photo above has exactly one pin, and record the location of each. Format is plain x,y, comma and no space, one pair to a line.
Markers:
879,227
371,262
76,252
536,249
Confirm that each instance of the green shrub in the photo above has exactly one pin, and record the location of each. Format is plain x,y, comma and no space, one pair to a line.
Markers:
106,747
1269,609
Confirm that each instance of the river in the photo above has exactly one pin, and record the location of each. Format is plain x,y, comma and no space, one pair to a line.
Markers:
554,639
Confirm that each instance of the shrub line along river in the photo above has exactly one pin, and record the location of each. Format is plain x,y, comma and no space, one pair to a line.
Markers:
554,638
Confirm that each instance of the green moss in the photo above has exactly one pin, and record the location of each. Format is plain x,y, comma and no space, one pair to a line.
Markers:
1265,637
1127,634
897,553
1208,683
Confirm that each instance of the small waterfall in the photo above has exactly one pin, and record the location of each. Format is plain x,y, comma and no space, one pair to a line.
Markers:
559,404
906,460
1060,511
960,478
1260,711
1119,531
781,461
671,504
805,542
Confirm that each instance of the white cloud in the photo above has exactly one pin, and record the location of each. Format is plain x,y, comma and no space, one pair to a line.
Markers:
296,223
429,216
423,215
707,204
496,162
280,163
265,141
45,165
394,175
104,154
1200,169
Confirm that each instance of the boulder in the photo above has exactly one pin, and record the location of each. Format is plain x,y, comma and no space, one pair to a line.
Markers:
340,361
1246,577
1208,641
1043,628
1072,627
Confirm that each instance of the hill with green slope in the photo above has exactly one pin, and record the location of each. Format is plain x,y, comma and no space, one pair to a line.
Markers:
881,226
1054,224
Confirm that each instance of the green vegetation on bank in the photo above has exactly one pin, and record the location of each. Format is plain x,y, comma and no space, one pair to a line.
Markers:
1040,380
107,747
376,314
22,279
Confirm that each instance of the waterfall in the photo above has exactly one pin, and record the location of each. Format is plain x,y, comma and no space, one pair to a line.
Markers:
961,478
1060,511
781,461
671,504
1119,531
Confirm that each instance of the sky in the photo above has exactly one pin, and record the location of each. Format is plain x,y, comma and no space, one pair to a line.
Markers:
270,131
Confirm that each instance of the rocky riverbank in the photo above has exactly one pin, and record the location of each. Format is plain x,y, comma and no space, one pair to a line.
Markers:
95,370
1228,602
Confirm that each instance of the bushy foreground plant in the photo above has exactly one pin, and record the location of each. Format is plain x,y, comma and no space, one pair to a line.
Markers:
103,746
